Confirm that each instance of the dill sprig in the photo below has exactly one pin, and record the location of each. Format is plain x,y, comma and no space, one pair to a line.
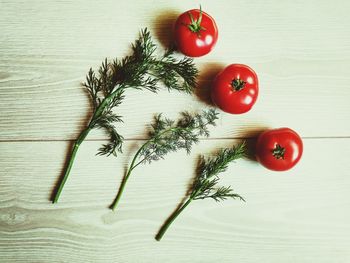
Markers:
205,183
140,70
168,136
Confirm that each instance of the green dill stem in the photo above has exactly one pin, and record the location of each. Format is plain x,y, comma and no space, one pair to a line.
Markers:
171,219
122,186
125,179
132,167
80,139
105,102
77,143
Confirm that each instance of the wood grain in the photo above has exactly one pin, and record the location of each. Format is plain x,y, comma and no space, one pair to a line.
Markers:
297,216
299,50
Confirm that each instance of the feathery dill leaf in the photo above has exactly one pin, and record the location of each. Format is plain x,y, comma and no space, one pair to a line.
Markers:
142,69
206,183
168,136
208,170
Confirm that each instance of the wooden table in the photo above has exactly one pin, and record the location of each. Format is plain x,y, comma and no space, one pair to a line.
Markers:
301,52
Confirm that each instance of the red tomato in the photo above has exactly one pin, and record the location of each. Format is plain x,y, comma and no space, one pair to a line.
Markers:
195,33
279,149
235,89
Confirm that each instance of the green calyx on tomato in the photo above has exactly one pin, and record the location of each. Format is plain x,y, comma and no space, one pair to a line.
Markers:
238,84
278,152
195,25
235,89
279,149
195,33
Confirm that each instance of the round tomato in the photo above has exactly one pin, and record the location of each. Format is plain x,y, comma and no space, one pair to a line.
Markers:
279,149
235,89
196,33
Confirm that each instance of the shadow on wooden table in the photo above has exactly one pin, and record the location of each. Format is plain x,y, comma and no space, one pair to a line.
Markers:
205,80
163,26
251,136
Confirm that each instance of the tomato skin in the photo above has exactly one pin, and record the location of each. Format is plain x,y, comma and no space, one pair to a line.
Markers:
269,141
195,44
224,95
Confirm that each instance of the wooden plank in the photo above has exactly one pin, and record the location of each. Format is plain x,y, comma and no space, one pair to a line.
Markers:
299,50
301,53
297,216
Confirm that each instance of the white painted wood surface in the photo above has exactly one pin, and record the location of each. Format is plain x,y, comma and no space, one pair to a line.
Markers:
301,52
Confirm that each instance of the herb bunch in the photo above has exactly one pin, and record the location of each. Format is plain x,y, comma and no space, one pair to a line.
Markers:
140,70
168,136
205,185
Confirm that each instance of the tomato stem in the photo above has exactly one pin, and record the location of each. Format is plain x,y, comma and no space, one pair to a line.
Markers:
195,25
278,152
238,84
